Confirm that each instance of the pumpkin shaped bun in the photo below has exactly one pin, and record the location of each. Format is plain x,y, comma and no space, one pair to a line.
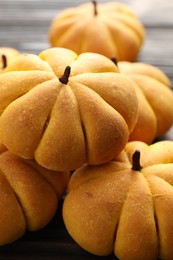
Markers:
6,55
29,195
111,29
155,97
66,109
126,205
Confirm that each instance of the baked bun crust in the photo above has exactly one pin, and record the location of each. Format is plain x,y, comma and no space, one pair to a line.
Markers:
65,124
29,195
122,207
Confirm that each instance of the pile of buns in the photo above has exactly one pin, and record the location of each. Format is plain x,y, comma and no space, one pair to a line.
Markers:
79,119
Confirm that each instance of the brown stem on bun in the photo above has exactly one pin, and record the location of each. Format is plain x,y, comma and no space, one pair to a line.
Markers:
4,61
64,78
95,7
136,161
115,61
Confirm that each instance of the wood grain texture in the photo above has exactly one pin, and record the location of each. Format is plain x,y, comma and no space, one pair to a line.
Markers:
24,25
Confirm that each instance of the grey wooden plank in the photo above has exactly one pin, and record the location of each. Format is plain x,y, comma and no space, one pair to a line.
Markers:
24,25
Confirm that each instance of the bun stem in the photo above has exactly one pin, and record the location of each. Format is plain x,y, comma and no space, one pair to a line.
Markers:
4,61
95,7
64,78
136,161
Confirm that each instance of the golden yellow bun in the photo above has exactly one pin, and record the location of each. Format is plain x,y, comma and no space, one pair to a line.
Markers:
113,207
29,195
6,55
65,124
114,31
155,98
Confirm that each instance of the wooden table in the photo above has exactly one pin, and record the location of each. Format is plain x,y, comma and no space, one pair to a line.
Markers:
24,25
